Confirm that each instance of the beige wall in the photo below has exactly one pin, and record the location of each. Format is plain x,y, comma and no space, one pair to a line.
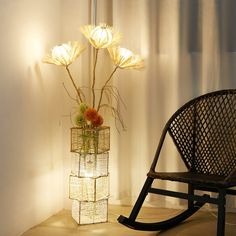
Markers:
31,161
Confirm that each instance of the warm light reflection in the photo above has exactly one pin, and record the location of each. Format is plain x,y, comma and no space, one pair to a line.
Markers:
31,47
99,231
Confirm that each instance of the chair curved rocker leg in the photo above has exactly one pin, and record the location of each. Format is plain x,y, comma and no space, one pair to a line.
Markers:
162,225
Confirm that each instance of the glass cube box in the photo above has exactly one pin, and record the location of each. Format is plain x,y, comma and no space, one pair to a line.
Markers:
88,189
90,212
90,140
89,165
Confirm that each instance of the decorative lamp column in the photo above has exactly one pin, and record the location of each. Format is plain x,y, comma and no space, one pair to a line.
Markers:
89,179
89,187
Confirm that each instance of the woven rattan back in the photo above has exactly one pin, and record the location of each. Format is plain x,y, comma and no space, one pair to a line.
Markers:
204,131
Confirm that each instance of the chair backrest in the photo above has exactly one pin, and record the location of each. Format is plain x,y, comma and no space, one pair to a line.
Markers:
204,131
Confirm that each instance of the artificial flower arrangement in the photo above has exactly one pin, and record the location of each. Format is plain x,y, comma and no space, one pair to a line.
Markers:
100,37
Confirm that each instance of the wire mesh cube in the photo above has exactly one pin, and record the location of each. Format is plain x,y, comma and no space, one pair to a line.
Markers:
90,140
89,189
90,212
89,165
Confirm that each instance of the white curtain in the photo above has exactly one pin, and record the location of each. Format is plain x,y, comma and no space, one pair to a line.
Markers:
189,49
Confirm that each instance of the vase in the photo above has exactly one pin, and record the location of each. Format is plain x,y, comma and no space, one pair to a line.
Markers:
90,140
89,178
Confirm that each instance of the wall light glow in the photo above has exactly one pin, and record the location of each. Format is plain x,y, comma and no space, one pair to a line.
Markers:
32,47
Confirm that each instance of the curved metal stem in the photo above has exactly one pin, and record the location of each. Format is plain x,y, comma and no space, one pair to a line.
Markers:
94,76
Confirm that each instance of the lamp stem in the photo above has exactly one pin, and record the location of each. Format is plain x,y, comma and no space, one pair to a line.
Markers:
73,82
104,86
94,51
94,75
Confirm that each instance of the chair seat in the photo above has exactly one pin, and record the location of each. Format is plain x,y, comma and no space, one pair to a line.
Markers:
194,178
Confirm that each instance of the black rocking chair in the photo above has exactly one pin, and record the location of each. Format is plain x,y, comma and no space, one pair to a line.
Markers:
204,132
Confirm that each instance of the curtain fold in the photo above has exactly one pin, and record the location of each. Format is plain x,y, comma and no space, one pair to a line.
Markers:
189,50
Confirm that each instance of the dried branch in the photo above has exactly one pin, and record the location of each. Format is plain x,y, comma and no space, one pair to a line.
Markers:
74,99
104,86
116,114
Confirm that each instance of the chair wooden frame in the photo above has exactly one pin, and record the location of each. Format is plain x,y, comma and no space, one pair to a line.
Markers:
204,132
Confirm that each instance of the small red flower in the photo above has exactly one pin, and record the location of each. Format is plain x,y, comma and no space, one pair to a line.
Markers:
90,114
98,121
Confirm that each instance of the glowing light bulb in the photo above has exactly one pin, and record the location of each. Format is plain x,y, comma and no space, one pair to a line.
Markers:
64,54
102,35
125,53
62,51
124,58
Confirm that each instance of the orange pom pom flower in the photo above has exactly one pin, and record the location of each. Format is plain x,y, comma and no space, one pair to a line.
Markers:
90,114
98,121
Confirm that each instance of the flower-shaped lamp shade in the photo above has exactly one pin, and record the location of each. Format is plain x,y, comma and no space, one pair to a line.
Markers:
101,36
64,54
124,58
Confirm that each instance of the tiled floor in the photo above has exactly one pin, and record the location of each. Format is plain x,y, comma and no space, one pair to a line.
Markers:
62,224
